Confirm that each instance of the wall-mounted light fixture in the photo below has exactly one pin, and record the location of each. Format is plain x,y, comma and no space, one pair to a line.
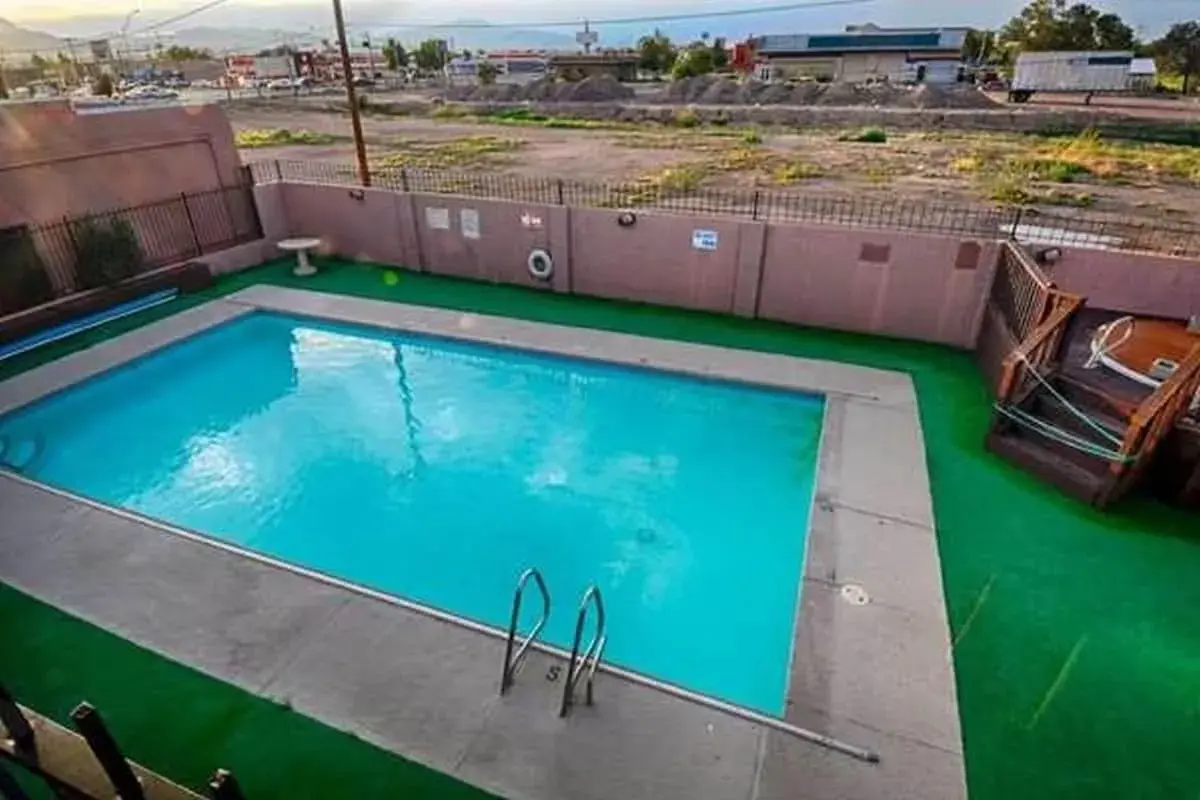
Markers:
358,194
1048,256
627,219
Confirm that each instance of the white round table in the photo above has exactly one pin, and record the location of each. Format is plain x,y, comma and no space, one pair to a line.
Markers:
300,246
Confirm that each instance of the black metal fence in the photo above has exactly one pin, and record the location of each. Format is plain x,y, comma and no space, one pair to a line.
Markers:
38,263
1026,225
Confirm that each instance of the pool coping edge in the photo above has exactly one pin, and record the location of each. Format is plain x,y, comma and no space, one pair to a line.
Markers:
844,387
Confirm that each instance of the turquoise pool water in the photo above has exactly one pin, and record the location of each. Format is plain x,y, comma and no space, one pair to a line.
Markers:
438,470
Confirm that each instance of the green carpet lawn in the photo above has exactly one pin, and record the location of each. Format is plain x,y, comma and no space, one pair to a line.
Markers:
184,724
1077,633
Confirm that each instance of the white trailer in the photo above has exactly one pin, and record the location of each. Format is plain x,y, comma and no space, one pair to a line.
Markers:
1084,72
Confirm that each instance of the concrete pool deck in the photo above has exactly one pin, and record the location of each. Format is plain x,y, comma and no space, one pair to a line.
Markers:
876,674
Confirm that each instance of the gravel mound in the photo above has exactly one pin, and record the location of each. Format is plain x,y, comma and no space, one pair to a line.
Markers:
713,90
965,97
594,89
723,92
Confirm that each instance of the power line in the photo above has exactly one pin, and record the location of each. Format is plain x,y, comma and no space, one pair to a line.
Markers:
575,23
560,23
200,9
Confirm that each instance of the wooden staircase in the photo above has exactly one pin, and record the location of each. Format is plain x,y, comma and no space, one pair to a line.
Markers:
1089,444
1047,452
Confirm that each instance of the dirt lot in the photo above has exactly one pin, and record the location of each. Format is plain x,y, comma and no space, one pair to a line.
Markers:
1159,182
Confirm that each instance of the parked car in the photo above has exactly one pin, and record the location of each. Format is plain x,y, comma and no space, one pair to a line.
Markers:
280,84
363,82
150,93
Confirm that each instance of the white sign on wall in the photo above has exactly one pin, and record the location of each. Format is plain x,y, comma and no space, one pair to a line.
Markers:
530,220
437,218
469,220
704,240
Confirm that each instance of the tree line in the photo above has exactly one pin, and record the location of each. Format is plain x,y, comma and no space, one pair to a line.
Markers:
1041,25
1059,25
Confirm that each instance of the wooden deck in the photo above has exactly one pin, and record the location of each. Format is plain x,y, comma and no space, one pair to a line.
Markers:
1121,393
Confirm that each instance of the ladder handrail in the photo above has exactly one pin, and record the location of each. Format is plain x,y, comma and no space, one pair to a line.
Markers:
593,653
513,662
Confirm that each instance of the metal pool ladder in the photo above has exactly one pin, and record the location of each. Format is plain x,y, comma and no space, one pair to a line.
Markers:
591,656
512,662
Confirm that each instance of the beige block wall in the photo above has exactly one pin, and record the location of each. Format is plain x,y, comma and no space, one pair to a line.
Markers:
55,163
1131,282
908,285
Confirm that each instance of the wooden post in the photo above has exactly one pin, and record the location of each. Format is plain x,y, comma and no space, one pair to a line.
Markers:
19,729
360,147
89,722
223,786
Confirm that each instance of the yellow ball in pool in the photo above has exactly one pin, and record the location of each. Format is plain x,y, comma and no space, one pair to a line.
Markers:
390,278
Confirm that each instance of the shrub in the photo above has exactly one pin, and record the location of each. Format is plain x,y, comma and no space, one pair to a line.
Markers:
487,72
1009,189
686,118
103,85
24,282
106,251
751,137
866,136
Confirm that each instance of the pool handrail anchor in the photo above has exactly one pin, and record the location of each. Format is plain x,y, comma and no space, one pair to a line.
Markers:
591,656
512,662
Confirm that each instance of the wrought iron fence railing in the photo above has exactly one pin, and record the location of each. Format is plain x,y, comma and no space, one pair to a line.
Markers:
1023,224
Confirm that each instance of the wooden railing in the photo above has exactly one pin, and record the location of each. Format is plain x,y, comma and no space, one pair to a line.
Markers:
1037,350
83,765
1153,421
1021,292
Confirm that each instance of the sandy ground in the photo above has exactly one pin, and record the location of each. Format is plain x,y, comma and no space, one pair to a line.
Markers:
1166,107
915,165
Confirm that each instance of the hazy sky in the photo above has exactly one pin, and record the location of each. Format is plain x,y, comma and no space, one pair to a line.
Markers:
17,10
889,12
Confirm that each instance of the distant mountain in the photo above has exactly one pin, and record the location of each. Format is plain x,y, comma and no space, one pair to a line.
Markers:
247,40
237,40
18,45
247,26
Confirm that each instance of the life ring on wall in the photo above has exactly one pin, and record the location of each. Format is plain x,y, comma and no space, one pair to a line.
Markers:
541,265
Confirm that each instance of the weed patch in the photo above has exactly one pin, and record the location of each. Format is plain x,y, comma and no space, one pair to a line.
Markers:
282,137
469,151
795,171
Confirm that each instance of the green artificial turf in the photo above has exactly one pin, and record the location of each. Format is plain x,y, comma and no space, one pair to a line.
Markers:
1077,633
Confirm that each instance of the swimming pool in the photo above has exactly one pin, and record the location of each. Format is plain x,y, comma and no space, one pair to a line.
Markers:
437,470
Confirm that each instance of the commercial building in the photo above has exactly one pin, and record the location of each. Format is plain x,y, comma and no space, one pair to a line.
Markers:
863,53
620,64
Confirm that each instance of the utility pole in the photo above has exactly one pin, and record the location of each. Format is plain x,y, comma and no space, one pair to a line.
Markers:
360,147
